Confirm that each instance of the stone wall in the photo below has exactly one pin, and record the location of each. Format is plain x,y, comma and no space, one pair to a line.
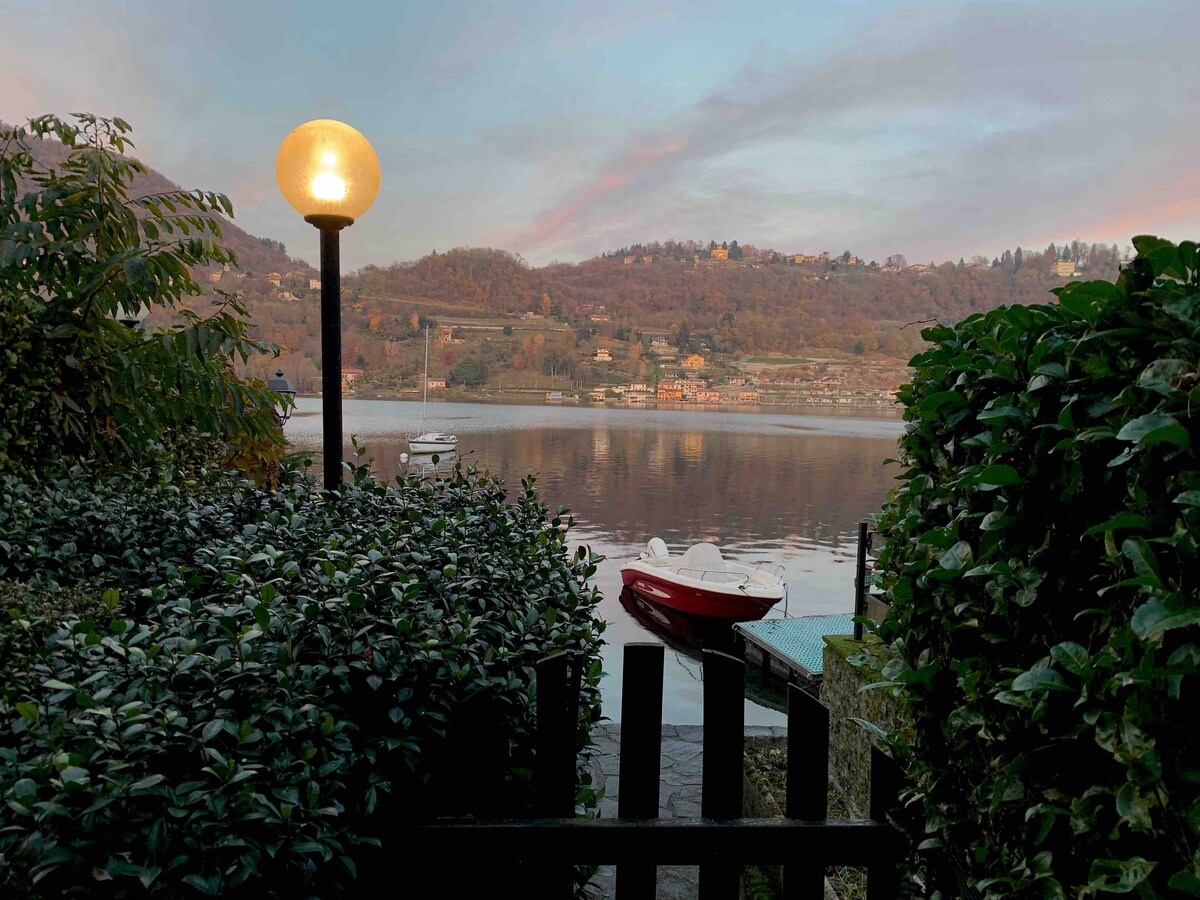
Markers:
849,742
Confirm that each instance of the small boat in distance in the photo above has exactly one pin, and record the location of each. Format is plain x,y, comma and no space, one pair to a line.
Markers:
701,582
430,441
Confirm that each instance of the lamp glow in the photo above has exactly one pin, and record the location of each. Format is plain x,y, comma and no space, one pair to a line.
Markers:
327,186
326,168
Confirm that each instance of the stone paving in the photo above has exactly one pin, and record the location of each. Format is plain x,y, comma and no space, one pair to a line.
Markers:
679,795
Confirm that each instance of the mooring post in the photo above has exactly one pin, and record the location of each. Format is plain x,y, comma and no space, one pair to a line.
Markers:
860,582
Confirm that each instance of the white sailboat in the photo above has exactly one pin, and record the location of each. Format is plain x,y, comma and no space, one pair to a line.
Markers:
430,441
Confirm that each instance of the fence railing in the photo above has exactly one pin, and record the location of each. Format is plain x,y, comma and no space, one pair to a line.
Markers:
804,842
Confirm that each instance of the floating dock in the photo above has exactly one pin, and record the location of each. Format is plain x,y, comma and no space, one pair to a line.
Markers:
791,648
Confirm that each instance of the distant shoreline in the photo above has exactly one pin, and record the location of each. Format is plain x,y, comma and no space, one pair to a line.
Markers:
537,398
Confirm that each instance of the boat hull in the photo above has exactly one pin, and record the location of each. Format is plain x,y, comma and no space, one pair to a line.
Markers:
418,446
732,605
432,442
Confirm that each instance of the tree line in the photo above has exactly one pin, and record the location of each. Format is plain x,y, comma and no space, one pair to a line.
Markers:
724,308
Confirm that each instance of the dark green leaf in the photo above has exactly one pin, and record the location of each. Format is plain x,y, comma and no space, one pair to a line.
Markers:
1071,657
1154,617
1152,429
998,476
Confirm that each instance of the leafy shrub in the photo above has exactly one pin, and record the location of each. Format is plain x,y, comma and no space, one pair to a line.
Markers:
284,680
28,618
77,253
1041,563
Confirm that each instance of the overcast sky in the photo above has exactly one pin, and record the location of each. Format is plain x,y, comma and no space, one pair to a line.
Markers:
560,129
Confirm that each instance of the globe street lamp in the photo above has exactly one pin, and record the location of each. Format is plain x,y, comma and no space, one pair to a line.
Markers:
330,174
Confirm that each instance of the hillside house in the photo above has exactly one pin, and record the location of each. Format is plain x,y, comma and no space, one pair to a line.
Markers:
718,253
274,278
603,355
437,384
647,260
314,284
695,361
630,260
670,390
1064,268
638,392
708,396
214,277
660,345
748,397
445,334
918,268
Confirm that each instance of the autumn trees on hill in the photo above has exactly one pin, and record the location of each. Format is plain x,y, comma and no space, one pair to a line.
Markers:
727,308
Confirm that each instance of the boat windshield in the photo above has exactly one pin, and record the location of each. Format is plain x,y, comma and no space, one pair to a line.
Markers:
712,576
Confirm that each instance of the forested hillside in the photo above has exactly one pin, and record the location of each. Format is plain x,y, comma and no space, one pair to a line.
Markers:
738,306
762,305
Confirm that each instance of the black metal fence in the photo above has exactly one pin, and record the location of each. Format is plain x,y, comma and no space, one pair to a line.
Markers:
541,853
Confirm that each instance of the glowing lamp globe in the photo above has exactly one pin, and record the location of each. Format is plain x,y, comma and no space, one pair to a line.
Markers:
327,171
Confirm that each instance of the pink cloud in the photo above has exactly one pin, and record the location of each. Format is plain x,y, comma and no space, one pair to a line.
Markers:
638,163
1133,215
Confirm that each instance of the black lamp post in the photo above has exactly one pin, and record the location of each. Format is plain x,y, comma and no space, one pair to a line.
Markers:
329,172
283,387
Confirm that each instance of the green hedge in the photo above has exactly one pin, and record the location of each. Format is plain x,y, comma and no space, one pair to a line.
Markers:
283,680
1041,563
29,617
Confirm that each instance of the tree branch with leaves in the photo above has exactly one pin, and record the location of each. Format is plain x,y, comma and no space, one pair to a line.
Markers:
77,254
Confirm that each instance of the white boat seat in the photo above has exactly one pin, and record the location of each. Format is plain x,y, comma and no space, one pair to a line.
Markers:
705,557
656,552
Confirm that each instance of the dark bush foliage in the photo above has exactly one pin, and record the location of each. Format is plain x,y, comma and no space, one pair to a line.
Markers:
283,679
1041,561
29,617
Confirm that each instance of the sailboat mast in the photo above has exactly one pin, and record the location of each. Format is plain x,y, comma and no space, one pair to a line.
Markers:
425,392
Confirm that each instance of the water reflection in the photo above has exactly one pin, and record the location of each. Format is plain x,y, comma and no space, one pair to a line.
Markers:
689,635
430,464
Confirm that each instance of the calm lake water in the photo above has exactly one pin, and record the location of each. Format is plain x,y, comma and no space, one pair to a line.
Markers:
790,489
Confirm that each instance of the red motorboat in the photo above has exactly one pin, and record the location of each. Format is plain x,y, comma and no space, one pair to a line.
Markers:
701,582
